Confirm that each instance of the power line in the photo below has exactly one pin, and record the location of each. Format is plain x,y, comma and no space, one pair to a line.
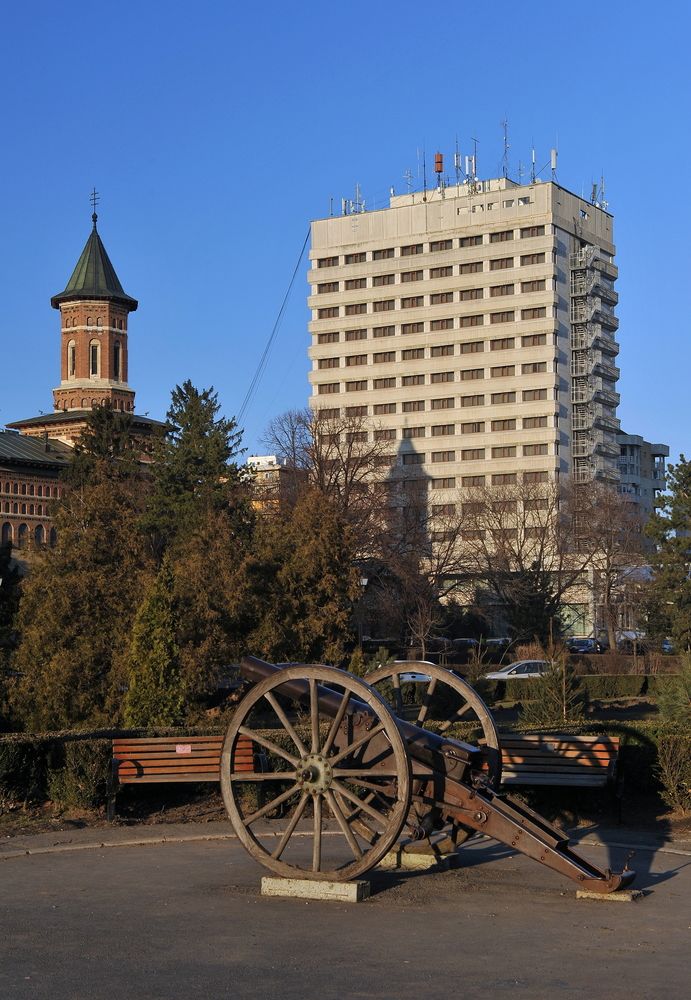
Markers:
256,379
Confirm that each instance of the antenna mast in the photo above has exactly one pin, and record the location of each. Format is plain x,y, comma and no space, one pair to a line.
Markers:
505,157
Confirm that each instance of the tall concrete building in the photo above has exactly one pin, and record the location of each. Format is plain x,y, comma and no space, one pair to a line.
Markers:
642,471
474,328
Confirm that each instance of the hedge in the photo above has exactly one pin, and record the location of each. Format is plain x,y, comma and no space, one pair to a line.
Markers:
595,686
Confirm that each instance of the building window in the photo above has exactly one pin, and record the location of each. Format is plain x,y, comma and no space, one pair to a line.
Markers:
359,334
382,357
445,403
473,347
534,340
440,351
502,344
435,324
355,308
473,400
352,283
384,383
412,302
332,413
471,320
437,245
383,254
356,411
504,479
530,395
94,358
538,285
443,456
329,363
503,397
497,290
413,328
327,262
413,459
506,316
469,374
383,331
71,359
385,434
328,387
503,237
440,298
328,338
383,305
413,432
443,509
413,353
473,427
413,406
472,481
501,263
534,367
443,483
504,425
355,359
532,258
535,449
441,272
328,286
411,250
529,423
471,267
538,312
504,451
437,377
529,231
383,279
358,386
472,454
470,241
411,275
328,312
502,371
356,258
413,380
468,294
442,430
381,408
536,477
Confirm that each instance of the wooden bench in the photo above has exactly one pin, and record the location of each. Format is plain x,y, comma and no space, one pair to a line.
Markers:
562,761
142,760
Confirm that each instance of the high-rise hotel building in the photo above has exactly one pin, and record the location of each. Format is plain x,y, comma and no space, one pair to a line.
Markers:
474,328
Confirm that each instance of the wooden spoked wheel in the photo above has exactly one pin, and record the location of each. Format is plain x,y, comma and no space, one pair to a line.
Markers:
333,790
435,698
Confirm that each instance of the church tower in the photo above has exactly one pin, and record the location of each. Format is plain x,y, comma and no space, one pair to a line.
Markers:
94,310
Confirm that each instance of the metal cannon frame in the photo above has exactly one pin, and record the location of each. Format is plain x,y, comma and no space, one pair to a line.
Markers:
346,768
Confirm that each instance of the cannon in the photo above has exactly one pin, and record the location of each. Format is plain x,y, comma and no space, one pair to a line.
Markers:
344,769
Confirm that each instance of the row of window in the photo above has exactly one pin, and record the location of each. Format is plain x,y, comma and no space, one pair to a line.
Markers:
72,321
34,510
94,359
436,378
450,430
434,246
418,354
437,351
24,535
497,479
418,302
418,406
474,454
466,294
27,489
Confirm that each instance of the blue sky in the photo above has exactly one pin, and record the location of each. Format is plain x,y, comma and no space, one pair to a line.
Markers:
215,132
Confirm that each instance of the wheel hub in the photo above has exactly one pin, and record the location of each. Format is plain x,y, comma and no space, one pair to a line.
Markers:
315,773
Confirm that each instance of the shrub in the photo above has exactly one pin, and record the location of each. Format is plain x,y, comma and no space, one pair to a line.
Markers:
77,773
554,698
674,767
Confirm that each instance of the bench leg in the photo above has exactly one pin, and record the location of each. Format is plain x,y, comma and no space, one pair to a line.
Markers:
111,792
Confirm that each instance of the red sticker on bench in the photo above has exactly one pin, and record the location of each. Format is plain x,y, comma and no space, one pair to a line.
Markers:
183,748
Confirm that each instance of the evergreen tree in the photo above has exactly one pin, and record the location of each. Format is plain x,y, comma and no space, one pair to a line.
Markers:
554,698
9,602
670,530
155,695
674,699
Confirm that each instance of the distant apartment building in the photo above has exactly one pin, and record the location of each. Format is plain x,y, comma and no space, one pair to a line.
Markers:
641,470
474,328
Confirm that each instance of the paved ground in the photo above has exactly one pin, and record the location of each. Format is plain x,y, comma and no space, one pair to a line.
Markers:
185,920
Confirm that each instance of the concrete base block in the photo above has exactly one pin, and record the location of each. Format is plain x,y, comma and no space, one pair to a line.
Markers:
623,896
399,859
304,888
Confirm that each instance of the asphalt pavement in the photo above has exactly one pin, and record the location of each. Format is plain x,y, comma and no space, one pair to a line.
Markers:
175,912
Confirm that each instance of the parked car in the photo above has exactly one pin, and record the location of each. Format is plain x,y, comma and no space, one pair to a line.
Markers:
519,669
667,647
501,643
582,644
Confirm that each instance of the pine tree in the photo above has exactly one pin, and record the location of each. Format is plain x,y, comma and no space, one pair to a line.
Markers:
155,695
554,698
670,530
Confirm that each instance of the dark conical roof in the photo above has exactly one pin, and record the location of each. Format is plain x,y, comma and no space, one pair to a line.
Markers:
94,277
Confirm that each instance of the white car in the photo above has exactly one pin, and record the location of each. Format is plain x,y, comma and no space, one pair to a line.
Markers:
521,668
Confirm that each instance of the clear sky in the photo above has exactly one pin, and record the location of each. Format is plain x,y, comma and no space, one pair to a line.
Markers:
214,132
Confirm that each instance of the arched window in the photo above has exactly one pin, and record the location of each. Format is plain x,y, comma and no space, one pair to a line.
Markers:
71,359
23,508
31,508
94,359
15,508
31,489
23,489
22,536
39,534
89,321
98,321
116,360
39,491
53,537
6,533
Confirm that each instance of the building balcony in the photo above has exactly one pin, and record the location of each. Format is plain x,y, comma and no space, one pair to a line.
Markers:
606,423
607,449
607,396
607,370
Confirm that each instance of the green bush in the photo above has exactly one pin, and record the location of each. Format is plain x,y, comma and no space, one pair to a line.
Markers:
77,773
22,769
674,766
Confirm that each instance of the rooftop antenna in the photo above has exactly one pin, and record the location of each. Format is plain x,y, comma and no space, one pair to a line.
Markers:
439,170
331,206
94,199
505,157
521,171
603,201
475,141
457,165
408,178
553,153
532,167
424,176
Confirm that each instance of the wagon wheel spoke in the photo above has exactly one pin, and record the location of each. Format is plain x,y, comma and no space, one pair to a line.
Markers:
270,806
352,773
263,775
398,697
287,724
314,715
352,747
268,745
317,845
455,717
426,702
293,822
338,719
343,823
360,803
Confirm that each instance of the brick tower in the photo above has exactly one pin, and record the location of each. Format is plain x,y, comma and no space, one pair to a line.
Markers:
93,351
